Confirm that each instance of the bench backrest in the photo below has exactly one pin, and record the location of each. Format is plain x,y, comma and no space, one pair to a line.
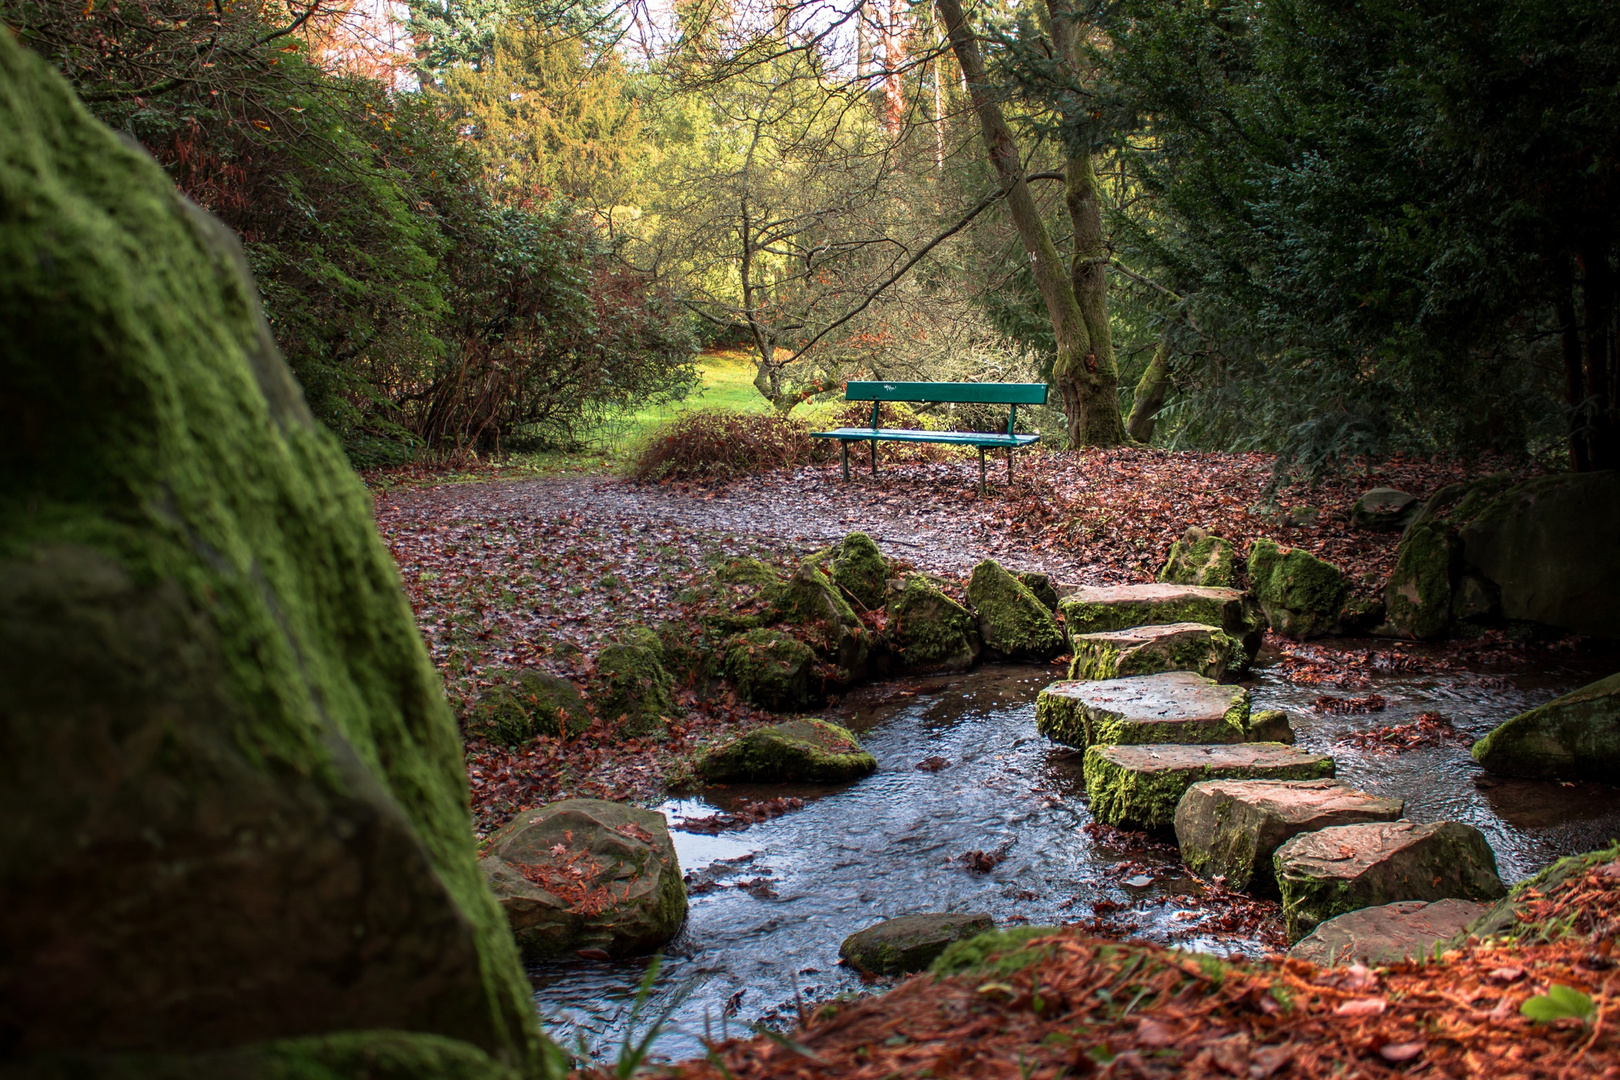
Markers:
958,393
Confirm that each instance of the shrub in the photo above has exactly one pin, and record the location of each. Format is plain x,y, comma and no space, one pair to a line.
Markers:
715,444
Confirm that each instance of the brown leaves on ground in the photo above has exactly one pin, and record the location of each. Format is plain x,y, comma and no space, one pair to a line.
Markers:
1371,703
1085,1007
1426,729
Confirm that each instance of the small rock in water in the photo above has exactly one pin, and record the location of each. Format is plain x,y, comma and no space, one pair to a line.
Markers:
1139,881
909,943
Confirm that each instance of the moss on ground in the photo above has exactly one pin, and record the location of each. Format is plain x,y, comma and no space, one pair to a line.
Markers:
999,952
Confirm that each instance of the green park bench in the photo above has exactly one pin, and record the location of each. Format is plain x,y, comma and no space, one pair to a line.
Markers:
954,393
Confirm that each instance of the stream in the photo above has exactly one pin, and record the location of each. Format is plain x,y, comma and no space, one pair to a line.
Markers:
770,904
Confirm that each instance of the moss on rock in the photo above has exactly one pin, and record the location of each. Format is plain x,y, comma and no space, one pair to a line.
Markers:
1575,737
521,704
1012,620
217,706
799,750
1417,599
632,690
1149,650
857,566
909,943
772,670
1139,787
930,630
1300,594
1096,609
808,600
1041,585
1200,559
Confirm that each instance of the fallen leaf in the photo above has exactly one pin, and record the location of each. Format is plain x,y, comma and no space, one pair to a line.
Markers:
1361,1007
1403,1051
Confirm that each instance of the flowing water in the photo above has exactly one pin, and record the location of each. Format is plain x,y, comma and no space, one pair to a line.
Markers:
770,904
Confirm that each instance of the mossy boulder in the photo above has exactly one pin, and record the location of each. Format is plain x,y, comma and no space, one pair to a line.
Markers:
1575,737
772,670
632,691
929,630
809,750
1200,559
1347,867
747,574
909,943
1139,787
1417,598
1013,623
741,597
809,600
587,874
1300,594
522,704
1514,918
234,807
1384,508
1172,707
1149,650
857,566
1095,609
1271,725
1041,585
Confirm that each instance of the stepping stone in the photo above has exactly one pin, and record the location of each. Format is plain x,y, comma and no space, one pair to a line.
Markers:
1139,787
1093,610
1408,930
909,943
1174,707
1231,828
1148,650
1349,867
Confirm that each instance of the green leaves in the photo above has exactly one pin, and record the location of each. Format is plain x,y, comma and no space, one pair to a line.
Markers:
1560,1002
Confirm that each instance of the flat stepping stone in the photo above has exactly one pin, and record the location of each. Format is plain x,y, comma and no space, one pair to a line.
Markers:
909,943
1349,867
1232,828
1173,707
1149,650
1139,787
1096,609
1407,930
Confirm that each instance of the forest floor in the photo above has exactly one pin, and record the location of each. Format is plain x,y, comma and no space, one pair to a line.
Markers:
543,571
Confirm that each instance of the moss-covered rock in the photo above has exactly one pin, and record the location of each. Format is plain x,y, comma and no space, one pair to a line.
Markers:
234,806
857,566
587,874
1384,508
800,750
1139,787
929,630
521,704
1347,867
1271,725
1148,650
996,952
1013,623
1417,599
632,690
909,943
810,601
772,670
1173,707
1041,585
1300,594
1512,918
1095,609
1200,559
741,596
1576,737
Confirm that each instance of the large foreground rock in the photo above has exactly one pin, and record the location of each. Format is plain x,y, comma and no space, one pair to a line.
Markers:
1139,787
930,631
233,807
1300,594
1173,707
1013,623
1576,737
1231,828
1408,930
1093,609
908,943
1200,559
587,874
1328,873
799,750
1148,650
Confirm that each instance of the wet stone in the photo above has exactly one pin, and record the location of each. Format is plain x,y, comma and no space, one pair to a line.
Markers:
1171,707
1095,609
910,942
1139,787
1231,828
1349,867
808,750
1408,930
1149,650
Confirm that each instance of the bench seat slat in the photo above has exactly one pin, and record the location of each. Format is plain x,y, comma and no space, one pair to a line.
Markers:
956,438
948,392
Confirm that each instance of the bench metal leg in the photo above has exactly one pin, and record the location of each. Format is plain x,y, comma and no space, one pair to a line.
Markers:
874,457
1009,466
843,452
982,490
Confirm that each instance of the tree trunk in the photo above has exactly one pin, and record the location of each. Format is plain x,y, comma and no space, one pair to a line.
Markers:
1086,378
1598,294
1150,391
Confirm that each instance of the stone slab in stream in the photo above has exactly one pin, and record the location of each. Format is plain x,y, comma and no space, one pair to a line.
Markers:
1139,787
1231,828
1094,609
1407,930
1172,707
1348,867
910,942
1149,650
